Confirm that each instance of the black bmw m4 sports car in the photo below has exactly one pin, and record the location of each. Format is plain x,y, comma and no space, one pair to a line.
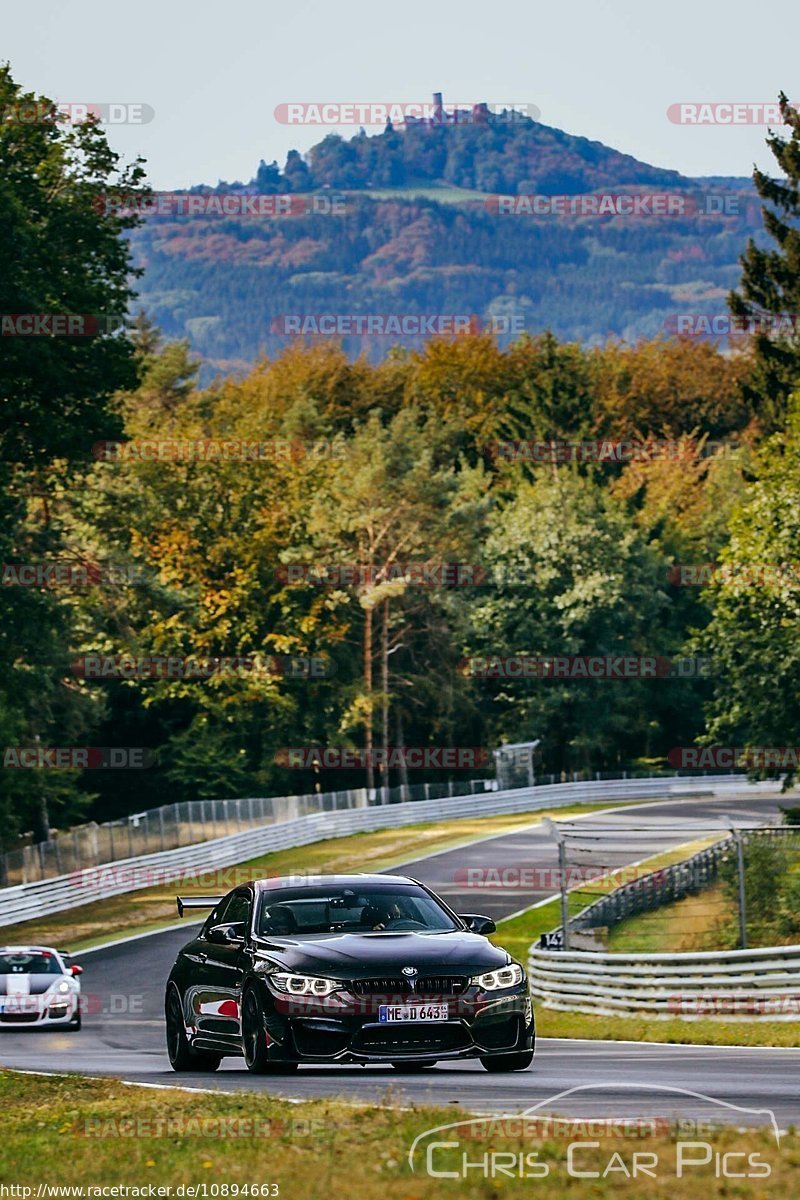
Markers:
344,969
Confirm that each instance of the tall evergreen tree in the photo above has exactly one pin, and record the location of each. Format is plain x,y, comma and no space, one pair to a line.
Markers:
769,294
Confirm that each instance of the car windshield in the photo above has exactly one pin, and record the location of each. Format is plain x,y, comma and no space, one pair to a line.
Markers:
290,911
28,962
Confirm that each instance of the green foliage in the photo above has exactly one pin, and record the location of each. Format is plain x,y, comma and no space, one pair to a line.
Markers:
772,890
754,632
406,470
788,915
406,474
60,254
766,863
581,581
500,152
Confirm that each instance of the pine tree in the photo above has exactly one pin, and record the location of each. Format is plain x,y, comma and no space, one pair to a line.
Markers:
769,295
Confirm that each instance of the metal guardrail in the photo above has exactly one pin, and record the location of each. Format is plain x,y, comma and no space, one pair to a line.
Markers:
193,821
727,984
27,902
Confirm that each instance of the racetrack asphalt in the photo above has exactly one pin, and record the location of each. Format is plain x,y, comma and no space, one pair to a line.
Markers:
123,1029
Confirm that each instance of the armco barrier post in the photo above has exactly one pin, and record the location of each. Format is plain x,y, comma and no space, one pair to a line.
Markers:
740,872
553,829
562,865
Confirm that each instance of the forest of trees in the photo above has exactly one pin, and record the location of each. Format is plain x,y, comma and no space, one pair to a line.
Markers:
498,155
401,462
407,463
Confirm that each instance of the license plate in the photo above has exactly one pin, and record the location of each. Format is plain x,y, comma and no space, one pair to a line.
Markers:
413,1012
19,1004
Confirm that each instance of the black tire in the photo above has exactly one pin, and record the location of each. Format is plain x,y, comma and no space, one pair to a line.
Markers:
254,1043
182,1056
507,1062
413,1067
75,1023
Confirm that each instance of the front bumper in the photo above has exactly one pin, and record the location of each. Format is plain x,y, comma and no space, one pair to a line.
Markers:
345,1028
31,1012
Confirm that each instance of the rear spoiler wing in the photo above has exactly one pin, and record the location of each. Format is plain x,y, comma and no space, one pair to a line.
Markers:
185,902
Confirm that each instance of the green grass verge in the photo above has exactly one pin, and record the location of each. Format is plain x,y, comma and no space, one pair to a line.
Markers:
73,1132
700,922
681,1031
709,920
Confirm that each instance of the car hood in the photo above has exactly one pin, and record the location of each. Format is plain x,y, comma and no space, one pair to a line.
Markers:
27,984
364,955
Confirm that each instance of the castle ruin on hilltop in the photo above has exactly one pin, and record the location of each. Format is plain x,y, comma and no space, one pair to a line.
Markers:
478,114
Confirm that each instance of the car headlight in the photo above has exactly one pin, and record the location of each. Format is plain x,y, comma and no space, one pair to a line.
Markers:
303,985
504,977
62,988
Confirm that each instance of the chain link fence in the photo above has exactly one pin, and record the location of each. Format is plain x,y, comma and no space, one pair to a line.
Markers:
741,890
666,885
175,825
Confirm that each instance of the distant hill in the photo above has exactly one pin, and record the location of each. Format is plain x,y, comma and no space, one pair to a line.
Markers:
479,150
519,155
415,230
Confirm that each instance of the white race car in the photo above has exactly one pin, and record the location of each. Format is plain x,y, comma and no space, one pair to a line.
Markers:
38,988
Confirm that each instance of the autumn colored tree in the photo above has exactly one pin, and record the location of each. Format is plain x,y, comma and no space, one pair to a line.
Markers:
668,387
385,504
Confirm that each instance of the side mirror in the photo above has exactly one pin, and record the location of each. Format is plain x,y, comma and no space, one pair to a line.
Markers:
475,923
76,970
226,935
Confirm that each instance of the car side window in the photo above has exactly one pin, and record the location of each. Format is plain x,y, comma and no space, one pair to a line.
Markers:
236,911
214,917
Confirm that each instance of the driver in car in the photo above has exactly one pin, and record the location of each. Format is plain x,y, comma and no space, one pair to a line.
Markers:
377,918
281,922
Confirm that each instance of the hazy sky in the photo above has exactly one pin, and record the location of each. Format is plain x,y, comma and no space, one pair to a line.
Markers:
214,72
